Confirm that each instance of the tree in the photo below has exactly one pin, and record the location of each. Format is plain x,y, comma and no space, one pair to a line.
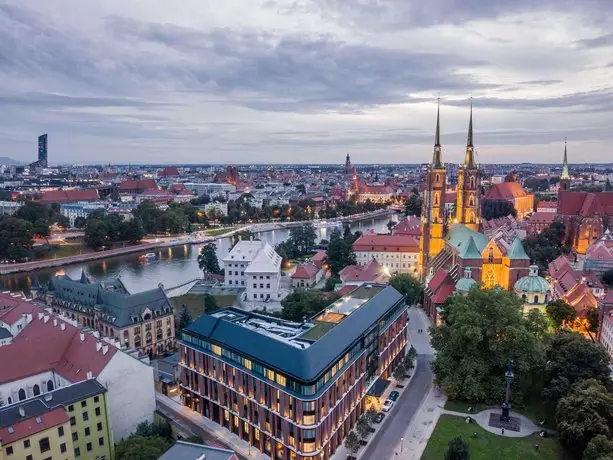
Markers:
547,245
79,222
352,443
141,448
33,211
210,303
96,233
304,304
331,283
599,448
537,324
16,238
560,312
131,231
400,372
493,209
362,426
161,428
244,235
370,414
607,277
207,259
480,333
390,225
586,412
592,319
409,286
570,359
340,253
412,207
149,214
301,240
194,439
457,449
185,317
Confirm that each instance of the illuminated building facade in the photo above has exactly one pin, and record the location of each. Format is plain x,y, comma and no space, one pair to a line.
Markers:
293,390
468,204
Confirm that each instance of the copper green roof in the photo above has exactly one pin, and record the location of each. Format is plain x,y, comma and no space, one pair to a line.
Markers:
459,234
469,249
464,284
532,284
517,251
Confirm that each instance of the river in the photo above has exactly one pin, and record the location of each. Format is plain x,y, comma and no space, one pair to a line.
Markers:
171,266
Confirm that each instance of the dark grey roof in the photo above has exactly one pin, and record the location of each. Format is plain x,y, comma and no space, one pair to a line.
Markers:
5,333
182,450
117,305
303,364
62,397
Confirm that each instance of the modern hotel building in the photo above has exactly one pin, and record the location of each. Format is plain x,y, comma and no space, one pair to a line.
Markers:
293,390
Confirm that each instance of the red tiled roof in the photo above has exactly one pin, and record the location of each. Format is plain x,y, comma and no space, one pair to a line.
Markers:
541,217
305,271
139,185
319,256
179,189
437,279
443,292
29,426
386,243
342,292
505,191
372,271
547,205
585,203
170,171
410,225
10,314
608,298
68,196
42,346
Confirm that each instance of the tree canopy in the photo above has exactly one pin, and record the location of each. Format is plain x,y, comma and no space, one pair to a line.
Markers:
16,238
300,242
141,448
481,332
408,285
547,245
493,209
457,450
340,252
412,207
207,259
560,312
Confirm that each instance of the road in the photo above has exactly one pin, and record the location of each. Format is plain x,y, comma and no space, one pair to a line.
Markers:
386,440
188,425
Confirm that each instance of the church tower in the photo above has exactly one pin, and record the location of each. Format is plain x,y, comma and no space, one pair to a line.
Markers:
468,204
433,206
565,176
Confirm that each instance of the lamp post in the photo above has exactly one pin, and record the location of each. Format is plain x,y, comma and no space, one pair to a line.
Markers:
401,444
506,406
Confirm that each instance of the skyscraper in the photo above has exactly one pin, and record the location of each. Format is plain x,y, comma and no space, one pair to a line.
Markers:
42,151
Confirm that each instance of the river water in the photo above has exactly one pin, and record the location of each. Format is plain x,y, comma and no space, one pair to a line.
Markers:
171,266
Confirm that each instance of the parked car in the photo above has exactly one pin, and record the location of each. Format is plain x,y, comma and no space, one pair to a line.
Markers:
387,405
394,395
379,417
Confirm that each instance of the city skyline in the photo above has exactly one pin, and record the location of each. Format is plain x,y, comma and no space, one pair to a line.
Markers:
310,80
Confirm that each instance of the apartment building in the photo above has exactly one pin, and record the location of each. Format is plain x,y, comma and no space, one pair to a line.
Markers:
293,390
71,422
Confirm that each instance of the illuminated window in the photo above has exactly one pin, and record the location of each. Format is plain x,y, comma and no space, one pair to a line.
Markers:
490,256
256,434
226,415
270,374
281,380
247,364
216,349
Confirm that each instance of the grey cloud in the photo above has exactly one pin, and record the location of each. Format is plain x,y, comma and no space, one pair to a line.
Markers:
597,42
295,73
57,101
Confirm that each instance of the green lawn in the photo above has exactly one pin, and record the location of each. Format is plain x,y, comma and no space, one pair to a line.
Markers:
195,304
488,446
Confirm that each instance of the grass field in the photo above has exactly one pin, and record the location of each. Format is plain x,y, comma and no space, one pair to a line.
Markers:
195,304
486,445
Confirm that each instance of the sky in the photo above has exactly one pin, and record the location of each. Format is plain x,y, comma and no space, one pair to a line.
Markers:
305,81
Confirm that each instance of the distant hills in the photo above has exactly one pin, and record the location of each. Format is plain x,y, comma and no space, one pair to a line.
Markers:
9,161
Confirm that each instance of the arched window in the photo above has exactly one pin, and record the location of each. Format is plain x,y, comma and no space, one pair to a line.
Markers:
50,386
137,341
490,256
36,390
437,178
471,201
536,299
148,338
10,400
436,199
22,394
472,181
147,316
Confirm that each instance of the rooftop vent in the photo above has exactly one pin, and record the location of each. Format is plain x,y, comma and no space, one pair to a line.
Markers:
22,411
48,396
38,420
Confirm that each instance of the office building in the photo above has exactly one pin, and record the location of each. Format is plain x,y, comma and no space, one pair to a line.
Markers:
42,151
293,390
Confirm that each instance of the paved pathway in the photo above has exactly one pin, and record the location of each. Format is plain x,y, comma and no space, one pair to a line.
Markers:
526,427
207,429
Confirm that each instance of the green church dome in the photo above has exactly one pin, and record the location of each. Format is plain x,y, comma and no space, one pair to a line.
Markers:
464,284
533,283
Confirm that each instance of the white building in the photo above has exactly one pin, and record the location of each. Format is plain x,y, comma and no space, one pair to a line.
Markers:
80,209
209,188
255,266
50,352
217,206
606,335
9,208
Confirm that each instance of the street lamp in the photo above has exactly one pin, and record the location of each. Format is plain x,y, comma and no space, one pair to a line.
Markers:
401,444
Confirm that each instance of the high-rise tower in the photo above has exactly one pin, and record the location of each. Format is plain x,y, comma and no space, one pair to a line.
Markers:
564,176
433,207
468,204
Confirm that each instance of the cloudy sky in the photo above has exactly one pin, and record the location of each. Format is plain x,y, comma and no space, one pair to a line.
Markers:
306,81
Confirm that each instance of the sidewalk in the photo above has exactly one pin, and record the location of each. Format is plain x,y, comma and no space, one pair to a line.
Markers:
415,439
526,427
219,432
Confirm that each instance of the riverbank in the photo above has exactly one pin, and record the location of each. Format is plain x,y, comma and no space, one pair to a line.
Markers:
47,263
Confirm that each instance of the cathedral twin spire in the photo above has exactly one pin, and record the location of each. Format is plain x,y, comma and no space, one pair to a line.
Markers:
437,157
565,174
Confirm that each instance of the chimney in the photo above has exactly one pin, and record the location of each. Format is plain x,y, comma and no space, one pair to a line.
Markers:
98,345
54,322
90,375
82,336
46,319
105,349
40,315
22,411
63,326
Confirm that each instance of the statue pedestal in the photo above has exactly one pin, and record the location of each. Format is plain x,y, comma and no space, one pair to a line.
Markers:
506,409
